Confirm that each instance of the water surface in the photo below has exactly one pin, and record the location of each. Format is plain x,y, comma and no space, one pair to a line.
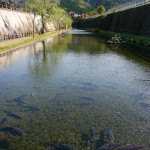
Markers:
63,86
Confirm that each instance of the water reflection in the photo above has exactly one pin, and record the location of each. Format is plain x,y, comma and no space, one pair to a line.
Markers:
79,32
66,88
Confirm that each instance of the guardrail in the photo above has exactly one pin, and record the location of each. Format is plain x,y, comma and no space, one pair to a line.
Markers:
128,5
9,7
125,6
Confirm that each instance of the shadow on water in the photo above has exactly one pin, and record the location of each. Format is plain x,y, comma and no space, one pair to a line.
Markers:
128,55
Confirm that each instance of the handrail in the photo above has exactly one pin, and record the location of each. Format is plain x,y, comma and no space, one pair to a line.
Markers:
128,5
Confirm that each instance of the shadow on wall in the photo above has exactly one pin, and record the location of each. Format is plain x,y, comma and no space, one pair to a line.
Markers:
14,24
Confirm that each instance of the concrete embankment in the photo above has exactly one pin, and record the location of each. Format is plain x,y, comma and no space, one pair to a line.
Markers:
135,44
12,21
24,42
135,21
133,25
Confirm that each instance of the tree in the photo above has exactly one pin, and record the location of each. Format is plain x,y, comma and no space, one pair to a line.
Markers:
42,8
48,9
4,2
84,15
92,13
59,17
33,6
45,10
72,14
15,3
101,9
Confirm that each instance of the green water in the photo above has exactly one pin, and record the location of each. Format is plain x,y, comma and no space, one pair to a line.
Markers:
70,84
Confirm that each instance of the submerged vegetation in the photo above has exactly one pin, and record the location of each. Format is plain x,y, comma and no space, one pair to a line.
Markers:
69,95
86,107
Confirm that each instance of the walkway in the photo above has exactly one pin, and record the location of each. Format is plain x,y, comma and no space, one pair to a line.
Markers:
13,41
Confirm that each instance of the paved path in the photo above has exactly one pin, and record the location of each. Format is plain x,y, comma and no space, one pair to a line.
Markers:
13,41
20,40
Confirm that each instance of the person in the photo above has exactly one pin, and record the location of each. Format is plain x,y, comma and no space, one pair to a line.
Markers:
66,26
2,38
13,36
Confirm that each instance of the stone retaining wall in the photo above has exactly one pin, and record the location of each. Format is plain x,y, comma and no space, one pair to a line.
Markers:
134,21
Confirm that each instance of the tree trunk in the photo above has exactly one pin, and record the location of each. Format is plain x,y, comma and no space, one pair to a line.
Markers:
33,28
43,25
33,25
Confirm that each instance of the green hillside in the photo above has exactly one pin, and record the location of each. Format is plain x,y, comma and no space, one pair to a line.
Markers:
80,6
86,5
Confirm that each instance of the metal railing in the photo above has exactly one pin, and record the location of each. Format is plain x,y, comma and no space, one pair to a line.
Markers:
9,7
128,5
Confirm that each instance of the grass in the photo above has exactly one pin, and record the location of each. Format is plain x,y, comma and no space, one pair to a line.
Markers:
136,39
30,39
137,44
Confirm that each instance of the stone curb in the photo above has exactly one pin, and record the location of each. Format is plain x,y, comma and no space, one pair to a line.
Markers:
25,45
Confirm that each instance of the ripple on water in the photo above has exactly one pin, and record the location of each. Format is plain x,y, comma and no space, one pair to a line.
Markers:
145,104
141,96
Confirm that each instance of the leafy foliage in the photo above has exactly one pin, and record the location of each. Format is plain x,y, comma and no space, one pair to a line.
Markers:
48,10
58,17
99,10
79,6
87,5
92,13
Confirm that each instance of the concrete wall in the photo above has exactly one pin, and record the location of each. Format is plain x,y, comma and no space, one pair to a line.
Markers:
134,21
12,21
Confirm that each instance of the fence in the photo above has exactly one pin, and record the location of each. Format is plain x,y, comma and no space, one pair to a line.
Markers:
128,5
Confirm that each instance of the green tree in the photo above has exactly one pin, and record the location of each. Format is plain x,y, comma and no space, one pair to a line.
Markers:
92,13
72,14
101,9
33,6
4,2
59,17
48,9
44,10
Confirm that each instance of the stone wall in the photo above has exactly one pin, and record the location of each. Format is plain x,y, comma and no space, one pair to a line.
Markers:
12,21
134,21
